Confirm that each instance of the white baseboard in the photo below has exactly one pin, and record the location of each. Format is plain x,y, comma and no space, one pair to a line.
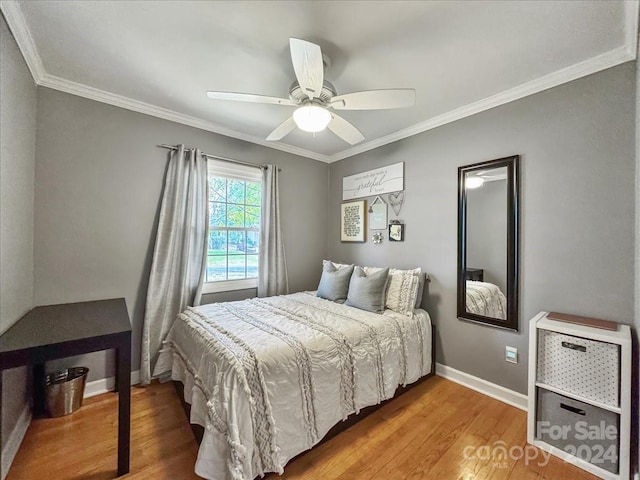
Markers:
492,390
104,385
10,448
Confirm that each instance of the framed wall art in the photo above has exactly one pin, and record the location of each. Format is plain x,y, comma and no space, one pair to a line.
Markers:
396,232
378,214
353,221
374,182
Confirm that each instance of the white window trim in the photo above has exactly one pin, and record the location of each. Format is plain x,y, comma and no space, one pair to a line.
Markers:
239,172
229,285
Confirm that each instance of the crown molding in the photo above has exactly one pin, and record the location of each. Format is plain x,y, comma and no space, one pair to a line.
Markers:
17,23
595,64
631,17
18,26
63,85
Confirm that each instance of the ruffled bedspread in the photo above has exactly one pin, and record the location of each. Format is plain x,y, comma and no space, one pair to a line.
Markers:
268,378
486,299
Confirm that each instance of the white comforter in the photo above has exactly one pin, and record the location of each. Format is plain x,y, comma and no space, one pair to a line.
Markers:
268,378
486,299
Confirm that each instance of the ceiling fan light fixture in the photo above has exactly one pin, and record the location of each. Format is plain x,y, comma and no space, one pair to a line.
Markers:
311,118
474,182
313,96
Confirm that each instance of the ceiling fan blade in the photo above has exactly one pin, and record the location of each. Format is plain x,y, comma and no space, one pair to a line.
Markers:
250,97
282,130
375,99
345,130
307,63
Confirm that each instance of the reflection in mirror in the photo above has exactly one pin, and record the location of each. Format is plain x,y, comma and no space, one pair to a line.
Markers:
487,242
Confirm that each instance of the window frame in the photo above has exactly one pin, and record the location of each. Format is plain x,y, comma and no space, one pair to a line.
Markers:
235,172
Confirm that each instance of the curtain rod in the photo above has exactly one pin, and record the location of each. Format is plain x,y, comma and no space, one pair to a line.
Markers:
223,159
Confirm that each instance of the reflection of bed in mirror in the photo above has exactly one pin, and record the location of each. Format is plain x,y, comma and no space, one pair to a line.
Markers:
485,299
488,242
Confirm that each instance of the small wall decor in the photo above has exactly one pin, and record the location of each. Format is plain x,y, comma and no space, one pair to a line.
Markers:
374,182
378,214
352,221
396,231
396,200
377,238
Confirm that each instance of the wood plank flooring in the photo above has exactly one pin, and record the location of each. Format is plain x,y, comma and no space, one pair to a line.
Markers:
423,434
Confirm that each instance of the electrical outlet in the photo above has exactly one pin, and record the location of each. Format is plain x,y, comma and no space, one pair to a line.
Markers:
511,354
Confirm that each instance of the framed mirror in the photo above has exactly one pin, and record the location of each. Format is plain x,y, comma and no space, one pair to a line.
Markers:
488,194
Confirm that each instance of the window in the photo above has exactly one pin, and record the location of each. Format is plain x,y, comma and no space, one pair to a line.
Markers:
235,194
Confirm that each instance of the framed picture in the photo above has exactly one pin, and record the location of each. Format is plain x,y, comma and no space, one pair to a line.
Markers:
378,214
352,221
396,232
374,182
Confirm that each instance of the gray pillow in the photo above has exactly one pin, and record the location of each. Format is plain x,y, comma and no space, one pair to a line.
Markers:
334,282
368,292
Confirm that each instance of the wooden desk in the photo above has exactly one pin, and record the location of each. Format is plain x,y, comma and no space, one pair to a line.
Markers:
57,331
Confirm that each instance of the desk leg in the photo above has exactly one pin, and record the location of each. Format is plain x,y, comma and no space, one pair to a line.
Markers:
117,369
38,389
123,385
2,472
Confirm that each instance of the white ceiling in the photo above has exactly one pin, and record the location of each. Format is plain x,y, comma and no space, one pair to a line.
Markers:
462,57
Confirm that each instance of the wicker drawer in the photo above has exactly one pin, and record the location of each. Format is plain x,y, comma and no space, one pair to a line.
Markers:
584,367
583,430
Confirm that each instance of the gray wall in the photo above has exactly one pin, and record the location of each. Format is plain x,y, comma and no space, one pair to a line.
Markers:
99,177
17,159
577,212
635,432
487,231
98,180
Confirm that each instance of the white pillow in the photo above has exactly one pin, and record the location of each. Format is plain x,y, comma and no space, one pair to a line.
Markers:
338,266
404,292
421,281
370,270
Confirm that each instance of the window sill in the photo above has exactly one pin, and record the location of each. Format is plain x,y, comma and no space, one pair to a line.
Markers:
229,285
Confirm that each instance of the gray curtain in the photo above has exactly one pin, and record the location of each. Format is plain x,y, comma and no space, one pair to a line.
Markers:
179,257
272,273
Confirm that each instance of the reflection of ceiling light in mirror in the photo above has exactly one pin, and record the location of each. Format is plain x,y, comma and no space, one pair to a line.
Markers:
311,118
474,182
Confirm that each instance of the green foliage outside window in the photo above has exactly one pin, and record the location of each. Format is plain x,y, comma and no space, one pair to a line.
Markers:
234,228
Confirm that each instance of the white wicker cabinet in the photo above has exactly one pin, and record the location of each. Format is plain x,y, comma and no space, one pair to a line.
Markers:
580,395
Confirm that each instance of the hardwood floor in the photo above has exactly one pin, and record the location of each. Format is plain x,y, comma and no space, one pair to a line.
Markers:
423,434
83,445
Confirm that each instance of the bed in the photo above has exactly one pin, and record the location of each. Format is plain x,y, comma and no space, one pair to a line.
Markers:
268,378
485,299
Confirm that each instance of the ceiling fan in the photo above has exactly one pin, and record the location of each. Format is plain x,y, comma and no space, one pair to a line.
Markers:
480,178
317,99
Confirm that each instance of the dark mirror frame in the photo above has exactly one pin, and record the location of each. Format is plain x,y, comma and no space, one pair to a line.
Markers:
513,166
